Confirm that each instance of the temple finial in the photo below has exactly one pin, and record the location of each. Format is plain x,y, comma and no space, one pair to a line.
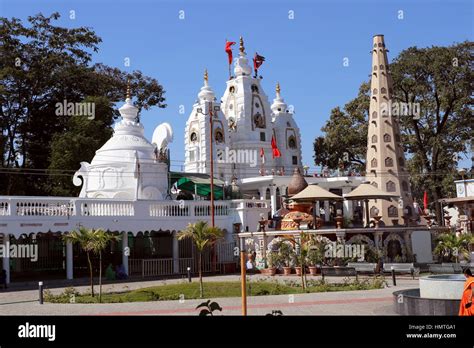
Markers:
128,95
277,89
242,48
206,76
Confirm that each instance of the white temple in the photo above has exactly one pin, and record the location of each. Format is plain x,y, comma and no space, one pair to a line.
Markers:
128,166
244,123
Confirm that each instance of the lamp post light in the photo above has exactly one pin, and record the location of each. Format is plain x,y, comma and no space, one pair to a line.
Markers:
211,109
243,276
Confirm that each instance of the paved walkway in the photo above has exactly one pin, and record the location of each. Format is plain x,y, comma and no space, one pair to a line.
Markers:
364,302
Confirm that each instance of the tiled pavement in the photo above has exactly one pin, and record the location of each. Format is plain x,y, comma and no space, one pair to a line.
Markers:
364,302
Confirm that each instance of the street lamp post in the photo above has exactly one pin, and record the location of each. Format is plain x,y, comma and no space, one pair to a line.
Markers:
211,108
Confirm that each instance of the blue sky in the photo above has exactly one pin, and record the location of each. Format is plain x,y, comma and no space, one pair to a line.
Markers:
304,54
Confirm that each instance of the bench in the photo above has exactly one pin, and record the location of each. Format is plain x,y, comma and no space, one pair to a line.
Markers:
400,268
363,267
440,269
457,267
338,271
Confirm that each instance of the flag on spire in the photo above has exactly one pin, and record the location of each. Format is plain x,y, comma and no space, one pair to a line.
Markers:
275,151
257,62
228,49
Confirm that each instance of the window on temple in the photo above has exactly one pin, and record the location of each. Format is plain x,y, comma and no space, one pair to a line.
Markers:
232,89
383,90
387,138
254,89
295,160
262,136
375,67
389,162
374,114
390,186
392,211
374,138
219,136
374,211
373,163
381,67
374,91
292,142
193,137
192,156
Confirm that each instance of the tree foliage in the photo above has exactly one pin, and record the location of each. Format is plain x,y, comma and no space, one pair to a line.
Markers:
42,64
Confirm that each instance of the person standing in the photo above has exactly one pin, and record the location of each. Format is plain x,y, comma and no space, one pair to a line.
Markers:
466,307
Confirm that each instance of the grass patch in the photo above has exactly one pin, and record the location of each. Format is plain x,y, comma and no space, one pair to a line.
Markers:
214,290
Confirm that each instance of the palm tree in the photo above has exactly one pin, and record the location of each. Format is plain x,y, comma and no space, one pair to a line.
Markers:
202,236
85,238
100,241
450,245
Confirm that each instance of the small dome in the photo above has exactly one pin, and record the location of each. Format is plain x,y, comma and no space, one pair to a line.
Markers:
297,183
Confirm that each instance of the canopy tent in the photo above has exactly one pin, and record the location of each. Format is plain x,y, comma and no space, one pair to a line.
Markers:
197,183
313,193
367,191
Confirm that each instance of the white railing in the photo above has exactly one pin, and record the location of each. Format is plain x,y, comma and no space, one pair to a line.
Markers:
66,207
157,267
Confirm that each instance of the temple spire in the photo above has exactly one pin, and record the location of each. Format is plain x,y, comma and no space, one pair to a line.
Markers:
128,93
242,47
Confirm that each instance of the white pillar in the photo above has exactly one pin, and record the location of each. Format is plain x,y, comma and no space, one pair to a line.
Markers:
69,261
125,252
6,258
263,192
347,209
317,212
326,211
175,253
273,199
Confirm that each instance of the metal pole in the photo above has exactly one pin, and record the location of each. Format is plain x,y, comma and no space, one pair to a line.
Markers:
212,164
394,279
189,274
243,277
40,288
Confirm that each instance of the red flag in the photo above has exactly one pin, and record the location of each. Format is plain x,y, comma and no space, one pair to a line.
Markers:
262,155
257,61
425,200
275,151
228,49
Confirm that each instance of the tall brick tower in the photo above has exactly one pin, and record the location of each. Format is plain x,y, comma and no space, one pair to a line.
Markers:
385,165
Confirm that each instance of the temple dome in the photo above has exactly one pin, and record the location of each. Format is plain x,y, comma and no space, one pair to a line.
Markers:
297,183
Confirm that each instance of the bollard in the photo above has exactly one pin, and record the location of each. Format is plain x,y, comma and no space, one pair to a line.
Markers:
189,274
40,288
394,279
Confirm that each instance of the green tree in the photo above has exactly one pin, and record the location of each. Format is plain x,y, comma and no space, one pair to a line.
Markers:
202,236
334,150
450,246
439,78
42,64
100,241
85,238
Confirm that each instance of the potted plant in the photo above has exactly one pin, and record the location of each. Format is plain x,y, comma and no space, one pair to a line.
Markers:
286,255
315,258
271,261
